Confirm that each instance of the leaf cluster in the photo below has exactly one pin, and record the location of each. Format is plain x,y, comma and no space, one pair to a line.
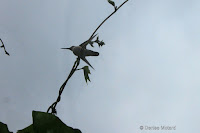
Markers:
100,43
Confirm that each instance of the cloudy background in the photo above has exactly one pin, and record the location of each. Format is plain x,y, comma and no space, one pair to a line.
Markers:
147,74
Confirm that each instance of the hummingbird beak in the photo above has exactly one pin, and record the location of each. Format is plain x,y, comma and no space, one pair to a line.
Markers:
66,48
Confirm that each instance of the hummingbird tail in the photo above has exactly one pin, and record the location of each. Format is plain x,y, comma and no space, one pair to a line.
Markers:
84,59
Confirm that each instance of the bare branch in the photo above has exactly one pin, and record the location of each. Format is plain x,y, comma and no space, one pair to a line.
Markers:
3,46
116,9
53,106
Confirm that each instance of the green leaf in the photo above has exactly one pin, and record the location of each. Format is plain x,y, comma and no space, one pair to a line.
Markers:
111,2
101,43
86,73
47,123
28,129
4,128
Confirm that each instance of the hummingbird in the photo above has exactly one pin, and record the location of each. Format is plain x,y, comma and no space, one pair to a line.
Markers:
82,52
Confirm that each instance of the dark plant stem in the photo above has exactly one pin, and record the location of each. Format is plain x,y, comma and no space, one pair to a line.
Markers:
76,63
116,9
3,46
53,106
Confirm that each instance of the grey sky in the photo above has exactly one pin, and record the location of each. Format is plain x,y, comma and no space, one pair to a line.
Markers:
147,73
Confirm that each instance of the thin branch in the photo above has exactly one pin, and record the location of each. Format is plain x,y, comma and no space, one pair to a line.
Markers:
108,18
53,106
3,46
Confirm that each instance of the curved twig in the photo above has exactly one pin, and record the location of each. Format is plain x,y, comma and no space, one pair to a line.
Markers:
116,9
3,46
53,106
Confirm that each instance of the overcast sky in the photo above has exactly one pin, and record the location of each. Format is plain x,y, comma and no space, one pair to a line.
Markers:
147,74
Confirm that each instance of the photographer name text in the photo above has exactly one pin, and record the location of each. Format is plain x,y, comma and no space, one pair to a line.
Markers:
158,127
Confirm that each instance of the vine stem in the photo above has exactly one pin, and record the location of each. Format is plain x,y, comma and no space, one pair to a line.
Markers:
76,64
3,46
53,106
116,9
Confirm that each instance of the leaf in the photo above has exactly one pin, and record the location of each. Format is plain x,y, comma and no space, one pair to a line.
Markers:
101,43
28,129
91,43
86,73
4,128
112,3
47,123
97,40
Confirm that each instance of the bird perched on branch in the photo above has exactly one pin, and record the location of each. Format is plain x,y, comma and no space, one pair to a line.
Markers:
82,52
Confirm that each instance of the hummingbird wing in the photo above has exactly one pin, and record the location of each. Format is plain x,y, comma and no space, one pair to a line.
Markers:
84,59
84,44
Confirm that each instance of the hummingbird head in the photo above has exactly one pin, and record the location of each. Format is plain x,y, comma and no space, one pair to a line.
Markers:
70,48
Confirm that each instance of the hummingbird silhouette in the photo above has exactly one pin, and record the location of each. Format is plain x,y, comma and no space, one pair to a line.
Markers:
82,52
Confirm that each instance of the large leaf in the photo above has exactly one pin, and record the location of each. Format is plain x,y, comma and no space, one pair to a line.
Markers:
47,123
28,129
4,128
